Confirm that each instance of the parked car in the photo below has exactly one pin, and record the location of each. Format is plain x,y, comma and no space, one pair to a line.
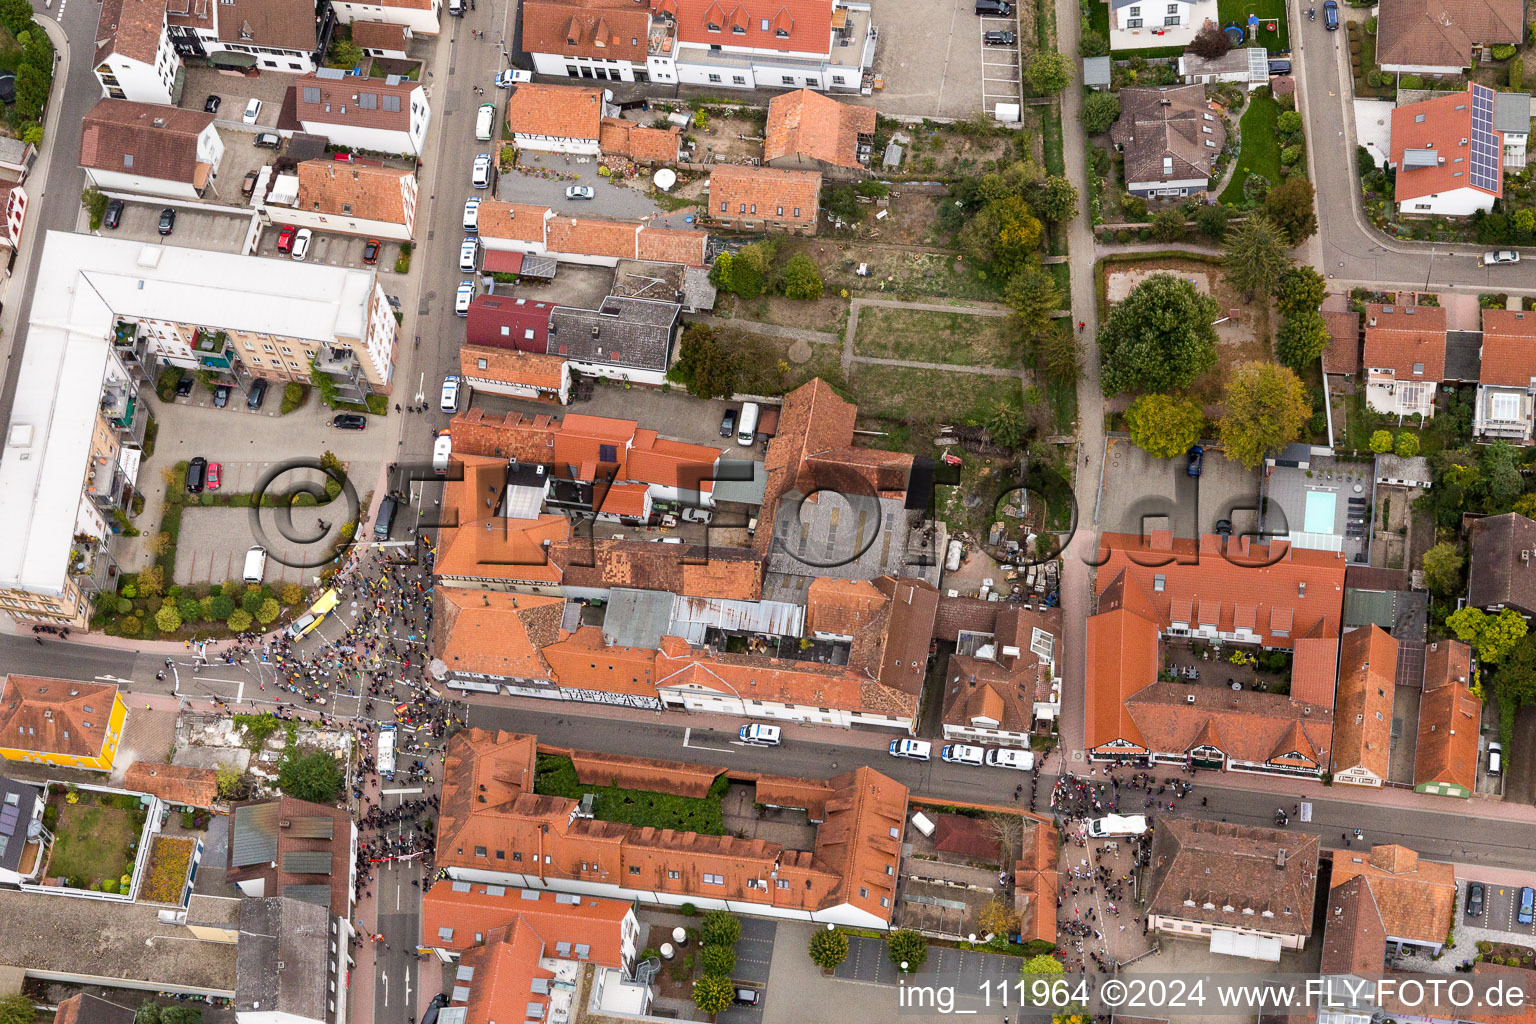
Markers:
349,421
728,423
480,177
258,393
1279,67
999,38
1527,905
580,192
114,215
252,111
1495,758
1224,527
211,104
184,387
1004,757
916,750
301,244
746,996
760,735
469,254
1196,461
269,140
994,8
167,221
197,471
464,296
248,186
511,77
214,475
962,753
1475,899
1331,15
1499,256
221,396
371,249
285,238
449,400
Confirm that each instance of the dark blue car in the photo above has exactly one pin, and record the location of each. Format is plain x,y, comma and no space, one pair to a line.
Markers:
1331,15
1196,460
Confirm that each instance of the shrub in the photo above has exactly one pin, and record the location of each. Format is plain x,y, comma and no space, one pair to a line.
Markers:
1517,73
292,593
1407,445
130,625
167,620
905,946
1411,82
687,910
239,620
801,280
719,960
95,206
268,611
1381,442
1504,51
828,948
719,928
294,395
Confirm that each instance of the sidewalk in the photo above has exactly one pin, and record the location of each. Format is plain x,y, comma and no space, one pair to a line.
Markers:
1486,806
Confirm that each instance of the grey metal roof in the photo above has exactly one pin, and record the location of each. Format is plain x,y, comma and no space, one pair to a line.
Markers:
312,827
17,802
640,618
320,895
1097,72
1512,112
304,862
637,618
747,491
1420,158
283,958
629,332
253,836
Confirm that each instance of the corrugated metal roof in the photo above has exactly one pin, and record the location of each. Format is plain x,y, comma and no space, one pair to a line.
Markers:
301,862
748,491
319,895
692,615
636,618
312,827
253,837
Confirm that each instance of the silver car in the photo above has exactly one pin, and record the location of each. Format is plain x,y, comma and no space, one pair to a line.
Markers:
581,192
1499,256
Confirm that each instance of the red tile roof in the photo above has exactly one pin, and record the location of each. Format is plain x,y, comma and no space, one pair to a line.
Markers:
496,634
378,35
555,111
759,193
511,366
130,28
504,321
357,190
624,499
476,545
146,139
842,607
1405,338
588,920
520,222
55,716
599,29
1449,719
1446,128
584,662
502,973
673,245
1362,732
666,463
1416,898
1343,352
640,143
1509,348
796,26
514,436
178,784
805,125
812,419
340,102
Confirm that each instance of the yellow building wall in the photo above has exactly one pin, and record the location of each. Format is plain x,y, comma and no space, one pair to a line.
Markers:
102,762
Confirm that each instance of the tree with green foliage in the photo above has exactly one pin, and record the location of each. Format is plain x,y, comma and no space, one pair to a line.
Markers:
802,280
744,272
1301,339
1005,423
829,947
1491,636
1442,569
31,91
713,993
1058,356
175,1013
268,611
1091,43
1164,426
1500,466
1255,255
1406,446
1055,199
1048,72
1100,111
17,1008
720,928
1211,221
310,775
239,620
167,619
703,365
719,960
1033,296
1168,225
1381,441
905,946
1266,407
16,16
189,608
1290,205
1514,683
251,600
1043,969
222,606
95,204
1301,290
1159,338
344,53
1004,234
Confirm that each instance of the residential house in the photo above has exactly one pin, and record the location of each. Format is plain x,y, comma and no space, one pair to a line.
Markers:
623,339
179,785
1425,37
508,371
1362,726
521,230
1170,137
382,39
292,963
612,40
1450,717
1448,155
641,143
519,950
1416,899
516,436
13,214
149,149
1506,387
1006,685
134,59
244,35
754,198
493,827
387,115
416,17
356,198
1248,66
489,641
22,856
1512,121
1404,358
810,131
61,722
1247,891
1139,24
296,850
556,118
1500,572
505,321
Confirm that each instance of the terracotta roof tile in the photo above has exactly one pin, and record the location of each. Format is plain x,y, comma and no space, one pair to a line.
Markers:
1215,866
673,245
1354,938
583,661
1409,340
673,464
759,193
1254,727
1343,352
514,436
505,321
1509,348
1449,719
806,24
174,783
600,29
358,190
378,35
640,143
55,716
1414,897
130,28
145,139
496,634
808,126
281,24
510,366
1441,33
590,236
329,101
520,222
1122,661
589,920
555,111
1445,128
842,607
1163,133
1362,732
478,546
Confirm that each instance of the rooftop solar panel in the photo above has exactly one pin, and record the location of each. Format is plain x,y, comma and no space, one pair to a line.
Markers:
8,818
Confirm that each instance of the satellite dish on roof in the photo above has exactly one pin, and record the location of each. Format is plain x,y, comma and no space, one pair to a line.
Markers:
665,178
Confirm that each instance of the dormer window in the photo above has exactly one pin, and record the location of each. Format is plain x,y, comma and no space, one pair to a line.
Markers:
712,26
782,33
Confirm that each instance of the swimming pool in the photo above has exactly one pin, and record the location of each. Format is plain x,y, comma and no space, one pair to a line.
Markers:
1320,512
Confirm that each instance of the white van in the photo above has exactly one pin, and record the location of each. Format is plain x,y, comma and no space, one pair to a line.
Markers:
463,297
1002,757
442,452
450,397
485,122
472,215
1118,825
761,735
469,254
916,750
960,753
456,8
746,433
255,564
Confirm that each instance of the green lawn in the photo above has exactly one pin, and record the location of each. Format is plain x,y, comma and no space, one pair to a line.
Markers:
1050,134
896,392
556,776
1260,150
929,337
93,843
1237,11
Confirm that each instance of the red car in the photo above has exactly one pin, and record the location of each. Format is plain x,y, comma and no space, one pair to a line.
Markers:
371,251
213,476
285,238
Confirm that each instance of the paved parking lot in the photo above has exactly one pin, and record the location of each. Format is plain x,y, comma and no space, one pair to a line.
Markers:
927,57
1140,492
195,228
1000,64
1498,922
754,953
234,91
616,201
335,251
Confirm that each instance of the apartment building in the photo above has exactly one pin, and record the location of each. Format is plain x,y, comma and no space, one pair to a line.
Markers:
356,198
150,149
245,35
64,722
418,17
388,115
752,198
134,57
